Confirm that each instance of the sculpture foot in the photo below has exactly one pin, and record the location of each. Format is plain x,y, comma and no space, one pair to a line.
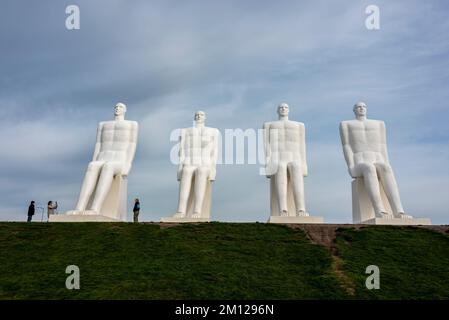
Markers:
90,213
402,215
74,212
196,215
384,215
283,213
302,213
180,215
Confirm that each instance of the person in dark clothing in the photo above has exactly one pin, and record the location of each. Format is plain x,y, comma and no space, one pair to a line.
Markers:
31,210
136,210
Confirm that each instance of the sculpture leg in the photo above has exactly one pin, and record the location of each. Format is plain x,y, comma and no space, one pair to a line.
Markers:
184,190
391,188
108,171
201,175
281,189
369,173
88,186
297,178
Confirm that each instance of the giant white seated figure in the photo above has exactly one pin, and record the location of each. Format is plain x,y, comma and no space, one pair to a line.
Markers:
198,152
286,167
375,191
104,189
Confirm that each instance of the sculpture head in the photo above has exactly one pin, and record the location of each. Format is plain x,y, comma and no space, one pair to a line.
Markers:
200,117
283,110
360,109
120,109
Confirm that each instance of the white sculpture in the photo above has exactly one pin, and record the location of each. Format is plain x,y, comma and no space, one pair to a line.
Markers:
375,193
198,152
104,190
286,167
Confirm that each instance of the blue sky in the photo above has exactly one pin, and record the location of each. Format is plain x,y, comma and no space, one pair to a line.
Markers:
236,60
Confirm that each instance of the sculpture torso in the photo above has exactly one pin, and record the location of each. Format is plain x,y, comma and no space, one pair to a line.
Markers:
115,138
367,140
198,145
285,140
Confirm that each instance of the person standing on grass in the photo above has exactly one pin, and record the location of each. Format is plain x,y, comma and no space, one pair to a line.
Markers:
51,208
31,210
136,210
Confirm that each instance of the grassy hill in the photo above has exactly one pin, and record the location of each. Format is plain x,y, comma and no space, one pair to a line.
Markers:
221,261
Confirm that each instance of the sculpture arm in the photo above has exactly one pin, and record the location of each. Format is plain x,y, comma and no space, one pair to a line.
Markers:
383,141
267,148
181,154
347,150
131,149
302,137
214,156
98,142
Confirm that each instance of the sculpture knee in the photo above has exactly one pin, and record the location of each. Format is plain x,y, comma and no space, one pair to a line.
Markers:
295,168
111,168
384,168
368,169
186,172
94,165
203,172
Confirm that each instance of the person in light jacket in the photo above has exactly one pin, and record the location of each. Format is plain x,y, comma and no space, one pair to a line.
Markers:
51,208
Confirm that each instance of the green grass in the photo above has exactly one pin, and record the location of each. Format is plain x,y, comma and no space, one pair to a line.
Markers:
413,262
141,261
216,261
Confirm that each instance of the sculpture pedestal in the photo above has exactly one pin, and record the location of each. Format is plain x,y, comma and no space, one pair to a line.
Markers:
363,211
114,206
184,220
80,218
299,220
399,222
113,209
362,208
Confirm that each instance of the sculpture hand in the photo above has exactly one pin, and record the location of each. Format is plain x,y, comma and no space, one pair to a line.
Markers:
179,173
213,173
305,171
269,172
351,172
126,169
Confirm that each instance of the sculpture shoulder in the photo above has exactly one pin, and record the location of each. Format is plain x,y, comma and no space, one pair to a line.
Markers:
130,122
296,123
213,131
134,124
378,122
283,123
346,123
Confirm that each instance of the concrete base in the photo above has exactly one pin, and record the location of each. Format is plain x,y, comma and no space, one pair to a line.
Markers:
184,220
80,218
300,220
399,222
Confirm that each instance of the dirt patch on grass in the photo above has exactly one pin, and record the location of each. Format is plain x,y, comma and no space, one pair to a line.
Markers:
325,235
442,229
